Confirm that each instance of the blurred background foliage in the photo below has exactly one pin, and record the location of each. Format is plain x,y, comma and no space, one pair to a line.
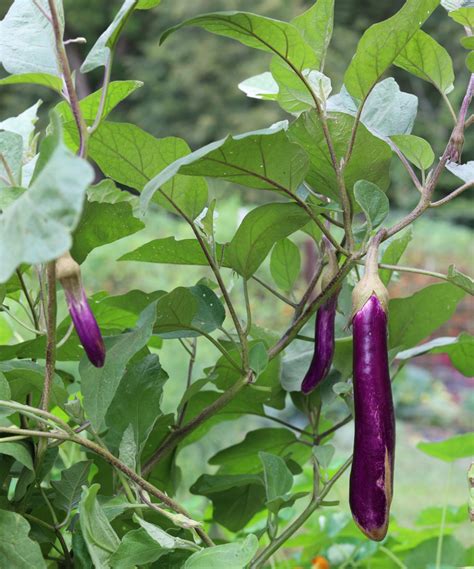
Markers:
190,90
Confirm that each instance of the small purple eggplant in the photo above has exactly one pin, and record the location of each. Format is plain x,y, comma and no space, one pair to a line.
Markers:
69,273
371,480
324,341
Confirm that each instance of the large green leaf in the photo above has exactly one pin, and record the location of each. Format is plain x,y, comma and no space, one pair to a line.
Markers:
414,318
116,93
100,52
242,458
382,43
137,548
103,223
461,280
463,16
171,251
136,402
19,452
99,385
236,499
424,57
387,110
460,350
100,537
259,231
18,53
293,54
68,489
43,79
393,253
278,480
417,150
459,446
370,158
188,312
285,264
17,550
316,26
11,148
263,159
37,227
373,202
133,157
235,555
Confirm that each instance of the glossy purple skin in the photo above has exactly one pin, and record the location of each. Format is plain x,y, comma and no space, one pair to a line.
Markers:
371,481
86,327
323,346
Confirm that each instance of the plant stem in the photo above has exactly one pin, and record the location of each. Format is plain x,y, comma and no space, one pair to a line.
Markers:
439,548
393,557
51,336
67,76
406,164
103,96
8,170
174,438
450,107
274,292
275,545
453,195
189,379
333,429
29,300
6,310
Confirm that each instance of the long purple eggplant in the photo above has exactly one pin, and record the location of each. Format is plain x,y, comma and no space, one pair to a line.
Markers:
324,341
69,274
371,480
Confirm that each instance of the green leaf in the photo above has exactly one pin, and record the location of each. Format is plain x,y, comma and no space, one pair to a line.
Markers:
68,489
324,454
171,251
163,538
37,227
461,280
382,43
463,16
235,499
394,252
470,61
413,318
105,45
424,57
464,172
373,202
278,480
258,358
259,231
133,157
387,110
41,79
107,192
449,450
433,516
285,264
117,92
136,548
99,385
460,351
370,158
16,548
467,42
425,554
20,55
417,150
19,452
100,537
103,223
11,147
263,159
261,86
242,458
232,555
316,25
147,4
137,402
23,125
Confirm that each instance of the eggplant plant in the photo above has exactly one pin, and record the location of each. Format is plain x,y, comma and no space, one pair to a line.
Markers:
92,445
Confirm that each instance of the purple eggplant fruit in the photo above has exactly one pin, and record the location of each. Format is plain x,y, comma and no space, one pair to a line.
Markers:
69,274
371,479
324,341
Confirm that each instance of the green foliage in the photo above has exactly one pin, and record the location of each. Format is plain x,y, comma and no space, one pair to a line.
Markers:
95,461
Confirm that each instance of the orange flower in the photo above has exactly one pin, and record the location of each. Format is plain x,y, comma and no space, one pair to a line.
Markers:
320,563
